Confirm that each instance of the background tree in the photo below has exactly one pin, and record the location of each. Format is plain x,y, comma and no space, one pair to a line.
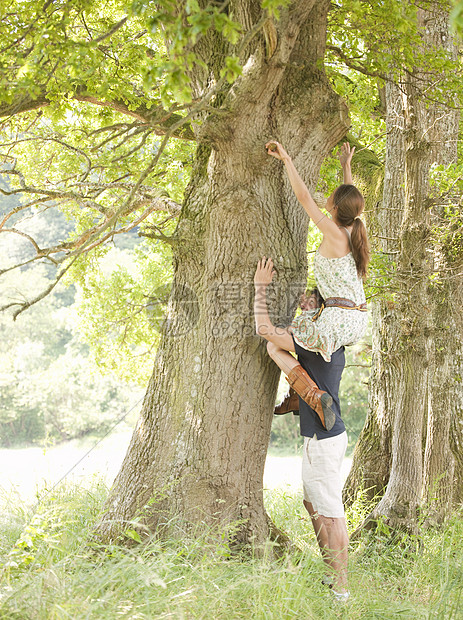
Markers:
412,353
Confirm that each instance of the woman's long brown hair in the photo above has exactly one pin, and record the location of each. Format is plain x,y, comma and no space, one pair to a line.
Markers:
350,204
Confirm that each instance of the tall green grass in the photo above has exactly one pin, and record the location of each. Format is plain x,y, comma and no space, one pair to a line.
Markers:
51,569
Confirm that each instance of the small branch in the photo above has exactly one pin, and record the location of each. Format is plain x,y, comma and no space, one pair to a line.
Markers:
172,240
117,126
27,262
137,126
371,143
20,208
23,234
127,228
110,32
27,304
356,66
385,238
132,150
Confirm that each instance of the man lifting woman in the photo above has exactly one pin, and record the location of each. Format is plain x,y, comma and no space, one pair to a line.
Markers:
318,339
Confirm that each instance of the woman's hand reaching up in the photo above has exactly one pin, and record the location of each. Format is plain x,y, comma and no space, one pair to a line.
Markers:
275,149
345,154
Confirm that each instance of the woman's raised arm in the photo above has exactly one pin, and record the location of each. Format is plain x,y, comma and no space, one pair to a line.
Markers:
345,157
324,223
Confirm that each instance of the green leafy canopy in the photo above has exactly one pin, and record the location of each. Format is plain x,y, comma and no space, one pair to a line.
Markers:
89,90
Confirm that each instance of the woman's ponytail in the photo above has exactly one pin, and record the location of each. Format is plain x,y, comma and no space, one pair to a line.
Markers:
360,247
349,203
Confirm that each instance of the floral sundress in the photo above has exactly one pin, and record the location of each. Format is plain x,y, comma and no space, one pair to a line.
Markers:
335,327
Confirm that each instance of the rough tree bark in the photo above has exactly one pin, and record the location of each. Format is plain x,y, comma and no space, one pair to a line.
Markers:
441,477
403,494
200,443
414,365
372,457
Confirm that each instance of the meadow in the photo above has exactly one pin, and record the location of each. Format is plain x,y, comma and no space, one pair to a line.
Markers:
52,568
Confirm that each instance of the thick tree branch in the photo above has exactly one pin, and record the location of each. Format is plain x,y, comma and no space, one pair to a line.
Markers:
262,70
157,117
78,242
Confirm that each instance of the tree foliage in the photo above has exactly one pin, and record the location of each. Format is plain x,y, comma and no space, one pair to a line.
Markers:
95,90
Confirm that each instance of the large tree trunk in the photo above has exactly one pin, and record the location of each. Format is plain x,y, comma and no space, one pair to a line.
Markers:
373,453
414,363
441,477
200,444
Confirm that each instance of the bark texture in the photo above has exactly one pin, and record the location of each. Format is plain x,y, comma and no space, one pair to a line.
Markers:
373,453
198,451
412,436
441,477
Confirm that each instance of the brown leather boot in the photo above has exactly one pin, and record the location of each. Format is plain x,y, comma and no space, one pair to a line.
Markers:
289,404
308,390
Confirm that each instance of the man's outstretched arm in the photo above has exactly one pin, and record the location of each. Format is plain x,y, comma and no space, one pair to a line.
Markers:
264,326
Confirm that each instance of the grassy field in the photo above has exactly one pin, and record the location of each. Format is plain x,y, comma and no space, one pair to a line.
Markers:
51,569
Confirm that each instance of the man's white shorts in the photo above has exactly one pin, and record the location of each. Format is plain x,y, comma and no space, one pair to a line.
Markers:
321,474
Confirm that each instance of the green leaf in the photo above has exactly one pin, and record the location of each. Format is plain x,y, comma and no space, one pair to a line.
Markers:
133,534
232,69
273,7
230,30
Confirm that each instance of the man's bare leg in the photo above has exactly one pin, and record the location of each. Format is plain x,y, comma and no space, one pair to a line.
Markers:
333,541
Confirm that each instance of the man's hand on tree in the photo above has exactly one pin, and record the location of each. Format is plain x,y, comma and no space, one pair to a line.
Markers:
264,272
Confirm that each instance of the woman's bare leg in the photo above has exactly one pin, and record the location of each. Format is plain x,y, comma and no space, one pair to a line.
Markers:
319,400
280,341
284,360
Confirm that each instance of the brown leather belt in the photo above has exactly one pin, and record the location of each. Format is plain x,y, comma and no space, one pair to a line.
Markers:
340,302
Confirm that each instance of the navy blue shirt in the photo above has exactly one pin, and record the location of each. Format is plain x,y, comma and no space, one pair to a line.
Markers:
327,375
